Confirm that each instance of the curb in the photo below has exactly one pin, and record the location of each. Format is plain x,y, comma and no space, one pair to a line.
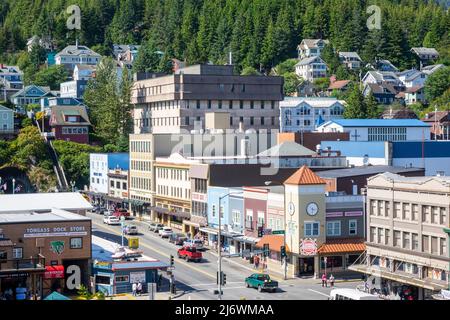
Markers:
177,295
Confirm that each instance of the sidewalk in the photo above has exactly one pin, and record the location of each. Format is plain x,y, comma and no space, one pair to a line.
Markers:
158,296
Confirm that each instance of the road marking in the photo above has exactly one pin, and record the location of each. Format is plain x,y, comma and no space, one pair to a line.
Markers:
157,251
318,292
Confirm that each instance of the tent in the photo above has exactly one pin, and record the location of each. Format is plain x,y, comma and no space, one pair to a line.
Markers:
56,296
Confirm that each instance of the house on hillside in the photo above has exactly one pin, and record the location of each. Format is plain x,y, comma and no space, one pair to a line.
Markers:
6,120
311,48
429,70
70,123
350,59
425,54
11,81
384,93
339,85
402,113
415,94
31,94
440,124
412,78
382,65
311,69
76,54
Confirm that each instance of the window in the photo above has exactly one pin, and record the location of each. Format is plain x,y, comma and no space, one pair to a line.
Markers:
425,244
397,238
236,217
372,234
123,278
380,235
76,243
387,236
443,216
435,215
352,227
311,229
406,240
241,104
249,219
17,253
434,245
3,255
443,246
415,241
333,228
397,210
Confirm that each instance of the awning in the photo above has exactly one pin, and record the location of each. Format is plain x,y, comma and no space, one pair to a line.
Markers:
342,246
247,239
275,242
216,231
54,272
190,223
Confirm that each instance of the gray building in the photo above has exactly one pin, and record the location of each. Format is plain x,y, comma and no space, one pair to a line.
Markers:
178,102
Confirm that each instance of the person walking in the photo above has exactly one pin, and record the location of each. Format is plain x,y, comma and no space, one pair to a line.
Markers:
139,288
256,262
134,288
324,280
331,280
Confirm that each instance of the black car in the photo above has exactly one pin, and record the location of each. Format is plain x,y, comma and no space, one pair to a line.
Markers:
97,210
178,238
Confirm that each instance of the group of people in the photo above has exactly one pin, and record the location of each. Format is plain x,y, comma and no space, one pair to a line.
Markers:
257,262
137,288
325,281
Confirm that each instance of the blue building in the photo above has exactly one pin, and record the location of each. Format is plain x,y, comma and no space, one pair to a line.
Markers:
433,156
232,222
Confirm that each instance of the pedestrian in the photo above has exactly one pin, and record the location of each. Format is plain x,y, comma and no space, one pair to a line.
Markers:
332,280
139,288
256,262
324,280
134,288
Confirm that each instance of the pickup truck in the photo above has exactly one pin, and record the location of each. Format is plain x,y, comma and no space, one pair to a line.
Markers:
261,282
121,212
190,254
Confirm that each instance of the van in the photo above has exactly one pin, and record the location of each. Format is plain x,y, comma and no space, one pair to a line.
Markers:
351,294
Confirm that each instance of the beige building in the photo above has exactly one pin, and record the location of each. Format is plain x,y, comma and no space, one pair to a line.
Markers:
407,226
178,102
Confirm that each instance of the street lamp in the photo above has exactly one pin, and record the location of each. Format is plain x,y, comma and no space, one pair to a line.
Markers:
14,185
269,183
219,249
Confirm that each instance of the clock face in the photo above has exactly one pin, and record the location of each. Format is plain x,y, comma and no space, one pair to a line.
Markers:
291,208
312,209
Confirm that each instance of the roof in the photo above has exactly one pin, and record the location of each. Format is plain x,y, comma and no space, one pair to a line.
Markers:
338,84
309,60
20,93
275,242
432,68
363,171
59,113
342,246
425,51
304,176
350,54
314,102
56,296
388,176
77,50
53,215
437,116
414,89
24,202
139,265
378,123
312,43
287,149
3,108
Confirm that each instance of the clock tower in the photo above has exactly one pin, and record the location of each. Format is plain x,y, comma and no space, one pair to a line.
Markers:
305,219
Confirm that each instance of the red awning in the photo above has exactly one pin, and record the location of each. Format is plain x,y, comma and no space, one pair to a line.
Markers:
54,272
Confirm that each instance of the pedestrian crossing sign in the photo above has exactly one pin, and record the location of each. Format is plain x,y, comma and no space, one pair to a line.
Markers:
133,243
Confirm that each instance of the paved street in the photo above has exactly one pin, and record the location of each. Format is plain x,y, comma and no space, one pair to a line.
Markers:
198,280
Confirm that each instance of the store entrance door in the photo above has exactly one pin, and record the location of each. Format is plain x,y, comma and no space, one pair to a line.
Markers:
306,266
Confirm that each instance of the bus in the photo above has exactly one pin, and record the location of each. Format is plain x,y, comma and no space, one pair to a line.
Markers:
351,294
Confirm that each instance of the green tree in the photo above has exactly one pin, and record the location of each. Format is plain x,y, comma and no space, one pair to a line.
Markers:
437,84
371,107
51,77
148,58
250,71
356,106
291,83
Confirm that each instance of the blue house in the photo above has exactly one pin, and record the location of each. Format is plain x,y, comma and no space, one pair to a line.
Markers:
232,221
31,95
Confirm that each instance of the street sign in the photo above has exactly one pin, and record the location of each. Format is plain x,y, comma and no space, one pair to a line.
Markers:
133,243
278,232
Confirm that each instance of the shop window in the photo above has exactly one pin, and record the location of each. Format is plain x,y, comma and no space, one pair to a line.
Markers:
333,228
3,255
124,278
311,229
76,243
17,253
102,279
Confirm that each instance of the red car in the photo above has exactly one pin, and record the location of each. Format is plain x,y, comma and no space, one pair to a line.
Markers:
190,254
121,212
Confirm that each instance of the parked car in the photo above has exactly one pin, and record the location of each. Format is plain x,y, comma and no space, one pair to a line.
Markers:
261,282
190,254
111,220
196,243
128,229
155,227
107,212
165,232
121,212
178,238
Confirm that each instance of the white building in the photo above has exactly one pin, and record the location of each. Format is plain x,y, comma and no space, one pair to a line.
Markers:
98,173
299,113
379,129
70,56
311,68
352,60
380,77
412,78
6,120
311,48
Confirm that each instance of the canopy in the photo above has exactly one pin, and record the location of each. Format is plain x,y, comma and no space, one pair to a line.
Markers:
56,296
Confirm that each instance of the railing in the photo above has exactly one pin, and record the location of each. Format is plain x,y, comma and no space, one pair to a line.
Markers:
22,264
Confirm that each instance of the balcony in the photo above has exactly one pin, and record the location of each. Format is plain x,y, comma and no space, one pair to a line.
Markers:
23,265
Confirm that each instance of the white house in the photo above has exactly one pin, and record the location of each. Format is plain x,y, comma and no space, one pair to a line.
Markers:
412,78
11,81
70,56
351,59
415,94
311,68
380,77
379,129
98,173
311,48
305,114
6,120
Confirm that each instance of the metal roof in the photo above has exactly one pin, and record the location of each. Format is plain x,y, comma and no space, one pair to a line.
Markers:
362,171
28,202
139,265
378,123
53,215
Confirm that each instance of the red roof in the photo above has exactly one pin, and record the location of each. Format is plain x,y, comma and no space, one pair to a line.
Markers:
304,176
342,246
338,84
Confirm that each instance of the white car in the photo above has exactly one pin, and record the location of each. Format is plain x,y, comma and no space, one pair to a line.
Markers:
196,243
165,232
111,220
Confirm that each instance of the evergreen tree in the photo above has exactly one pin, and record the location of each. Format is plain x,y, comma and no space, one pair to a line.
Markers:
356,105
148,58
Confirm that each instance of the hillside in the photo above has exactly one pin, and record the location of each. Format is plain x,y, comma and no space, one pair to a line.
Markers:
260,33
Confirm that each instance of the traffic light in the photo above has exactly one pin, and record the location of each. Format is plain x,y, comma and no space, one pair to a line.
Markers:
260,232
224,278
266,250
171,261
283,251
